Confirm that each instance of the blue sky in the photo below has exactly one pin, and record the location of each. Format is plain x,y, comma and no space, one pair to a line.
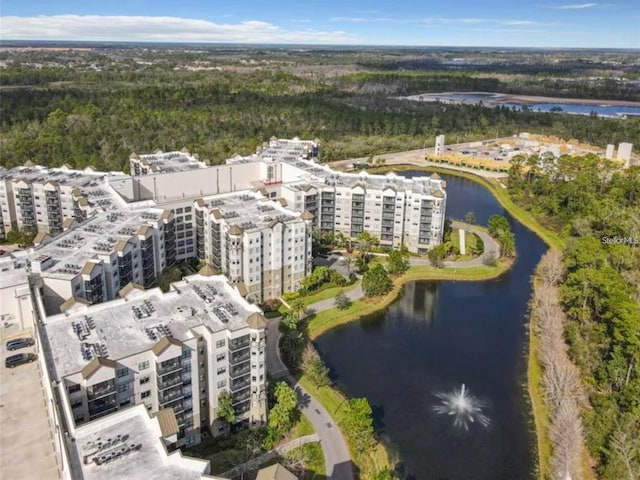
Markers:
531,23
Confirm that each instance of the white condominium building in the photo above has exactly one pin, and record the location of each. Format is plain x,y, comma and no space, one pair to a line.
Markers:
257,243
47,200
179,351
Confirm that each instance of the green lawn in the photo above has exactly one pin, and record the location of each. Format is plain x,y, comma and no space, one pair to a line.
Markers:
303,427
326,294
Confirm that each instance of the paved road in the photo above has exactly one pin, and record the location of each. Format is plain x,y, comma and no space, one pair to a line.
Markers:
337,460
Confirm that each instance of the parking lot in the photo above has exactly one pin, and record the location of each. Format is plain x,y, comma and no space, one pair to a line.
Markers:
26,441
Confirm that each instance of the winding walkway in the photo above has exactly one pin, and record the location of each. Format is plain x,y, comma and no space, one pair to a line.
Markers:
337,459
491,249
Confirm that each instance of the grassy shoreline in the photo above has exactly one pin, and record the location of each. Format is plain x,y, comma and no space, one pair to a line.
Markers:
539,407
321,322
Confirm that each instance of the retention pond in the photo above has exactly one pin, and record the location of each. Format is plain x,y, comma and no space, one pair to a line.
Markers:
444,367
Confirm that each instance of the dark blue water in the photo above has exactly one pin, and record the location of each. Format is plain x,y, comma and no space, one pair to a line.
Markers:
437,336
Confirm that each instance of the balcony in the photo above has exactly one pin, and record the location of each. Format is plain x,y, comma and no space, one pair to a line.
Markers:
170,382
239,344
102,407
169,367
236,359
239,371
93,394
239,385
171,395
241,397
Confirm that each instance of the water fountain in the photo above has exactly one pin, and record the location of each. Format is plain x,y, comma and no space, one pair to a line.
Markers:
463,407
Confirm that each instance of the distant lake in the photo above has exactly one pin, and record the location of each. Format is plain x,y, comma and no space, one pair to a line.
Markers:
577,109
510,101
437,336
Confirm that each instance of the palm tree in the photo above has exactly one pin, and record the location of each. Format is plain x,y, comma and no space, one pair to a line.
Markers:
348,262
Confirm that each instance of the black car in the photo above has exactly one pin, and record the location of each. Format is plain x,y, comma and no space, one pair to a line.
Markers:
19,359
17,343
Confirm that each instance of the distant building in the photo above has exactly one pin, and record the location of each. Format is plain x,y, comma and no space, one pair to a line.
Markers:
609,152
439,148
624,152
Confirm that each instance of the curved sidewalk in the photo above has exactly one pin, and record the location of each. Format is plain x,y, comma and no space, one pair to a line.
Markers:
337,459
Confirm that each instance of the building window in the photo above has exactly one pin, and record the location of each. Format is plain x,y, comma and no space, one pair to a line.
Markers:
222,370
220,357
143,365
221,343
222,383
144,380
122,372
123,387
73,388
145,394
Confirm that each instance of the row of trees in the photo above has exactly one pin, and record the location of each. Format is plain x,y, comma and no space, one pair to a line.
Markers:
219,114
596,206
561,379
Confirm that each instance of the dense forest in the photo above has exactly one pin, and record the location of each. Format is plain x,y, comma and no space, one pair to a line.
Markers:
96,114
597,207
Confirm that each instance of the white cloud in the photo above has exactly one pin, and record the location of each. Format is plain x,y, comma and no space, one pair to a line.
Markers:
576,6
159,29
515,23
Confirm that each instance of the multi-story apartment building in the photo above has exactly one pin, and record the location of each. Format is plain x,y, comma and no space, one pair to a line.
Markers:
120,229
260,245
397,210
92,262
179,350
41,199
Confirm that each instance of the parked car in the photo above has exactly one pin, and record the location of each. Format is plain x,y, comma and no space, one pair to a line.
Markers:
17,343
19,359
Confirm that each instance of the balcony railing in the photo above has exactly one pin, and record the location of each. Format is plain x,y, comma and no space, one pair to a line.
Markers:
245,395
240,385
92,394
174,366
171,382
236,359
238,345
238,372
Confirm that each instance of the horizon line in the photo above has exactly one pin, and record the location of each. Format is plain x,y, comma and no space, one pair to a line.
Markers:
341,45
